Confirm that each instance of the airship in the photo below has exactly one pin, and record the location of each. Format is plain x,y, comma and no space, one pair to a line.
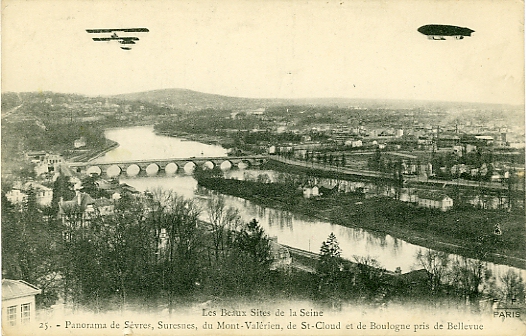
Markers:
440,32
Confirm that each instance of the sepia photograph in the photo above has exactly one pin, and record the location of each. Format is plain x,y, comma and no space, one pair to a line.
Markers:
265,167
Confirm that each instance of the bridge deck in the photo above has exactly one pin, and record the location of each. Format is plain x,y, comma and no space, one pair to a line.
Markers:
193,158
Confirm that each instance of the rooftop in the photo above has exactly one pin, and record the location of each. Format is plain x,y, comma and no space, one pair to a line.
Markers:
431,195
12,289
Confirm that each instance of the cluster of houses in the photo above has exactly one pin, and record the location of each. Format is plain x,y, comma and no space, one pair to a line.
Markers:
44,162
423,198
85,206
19,194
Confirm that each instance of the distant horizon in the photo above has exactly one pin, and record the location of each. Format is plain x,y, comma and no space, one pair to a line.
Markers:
270,98
269,50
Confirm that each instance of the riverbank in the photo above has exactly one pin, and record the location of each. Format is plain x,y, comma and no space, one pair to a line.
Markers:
467,232
95,153
202,138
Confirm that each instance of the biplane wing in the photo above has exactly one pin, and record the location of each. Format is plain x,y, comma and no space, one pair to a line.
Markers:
123,30
118,38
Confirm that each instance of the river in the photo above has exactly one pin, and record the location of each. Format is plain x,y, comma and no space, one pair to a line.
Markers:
293,230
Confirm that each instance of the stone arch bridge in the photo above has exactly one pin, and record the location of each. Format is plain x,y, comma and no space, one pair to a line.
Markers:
154,167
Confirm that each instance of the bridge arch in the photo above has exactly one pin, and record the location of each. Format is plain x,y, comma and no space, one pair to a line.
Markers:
244,164
171,168
133,170
113,171
189,167
208,165
94,170
152,169
226,165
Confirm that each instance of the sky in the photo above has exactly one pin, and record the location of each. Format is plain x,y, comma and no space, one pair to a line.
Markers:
268,49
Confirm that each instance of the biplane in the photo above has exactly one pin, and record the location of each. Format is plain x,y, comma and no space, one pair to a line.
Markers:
126,41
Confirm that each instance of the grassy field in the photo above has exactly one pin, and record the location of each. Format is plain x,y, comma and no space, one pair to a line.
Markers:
466,231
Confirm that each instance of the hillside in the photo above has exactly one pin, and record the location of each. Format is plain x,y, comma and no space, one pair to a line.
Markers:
193,100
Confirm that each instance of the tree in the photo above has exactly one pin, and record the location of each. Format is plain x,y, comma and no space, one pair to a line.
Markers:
62,189
374,161
263,178
29,246
512,287
255,243
468,275
248,260
398,177
222,221
371,276
156,245
201,173
180,270
30,205
89,186
329,264
436,264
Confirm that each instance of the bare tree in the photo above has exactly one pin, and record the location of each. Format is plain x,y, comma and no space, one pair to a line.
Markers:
222,221
512,286
436,264
179,219
468,275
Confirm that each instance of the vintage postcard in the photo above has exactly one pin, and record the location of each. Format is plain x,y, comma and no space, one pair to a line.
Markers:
261,167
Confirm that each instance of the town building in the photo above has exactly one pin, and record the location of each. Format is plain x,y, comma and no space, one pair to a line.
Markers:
45,162
434,200
81,142
18,303
19,195
16,196
354,143
43,194
83,207
311,191
35,156
53,159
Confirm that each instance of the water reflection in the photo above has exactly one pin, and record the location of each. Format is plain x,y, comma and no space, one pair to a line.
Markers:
291,229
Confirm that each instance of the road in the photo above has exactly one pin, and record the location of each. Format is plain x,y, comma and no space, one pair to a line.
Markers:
296,264
11,111
408,179
319,166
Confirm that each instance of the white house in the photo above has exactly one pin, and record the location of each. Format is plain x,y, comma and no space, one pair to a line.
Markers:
309,192
16,196
41,168
81,142
408,196
43,194
18,303
19,195
52,159
354,143
434,199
